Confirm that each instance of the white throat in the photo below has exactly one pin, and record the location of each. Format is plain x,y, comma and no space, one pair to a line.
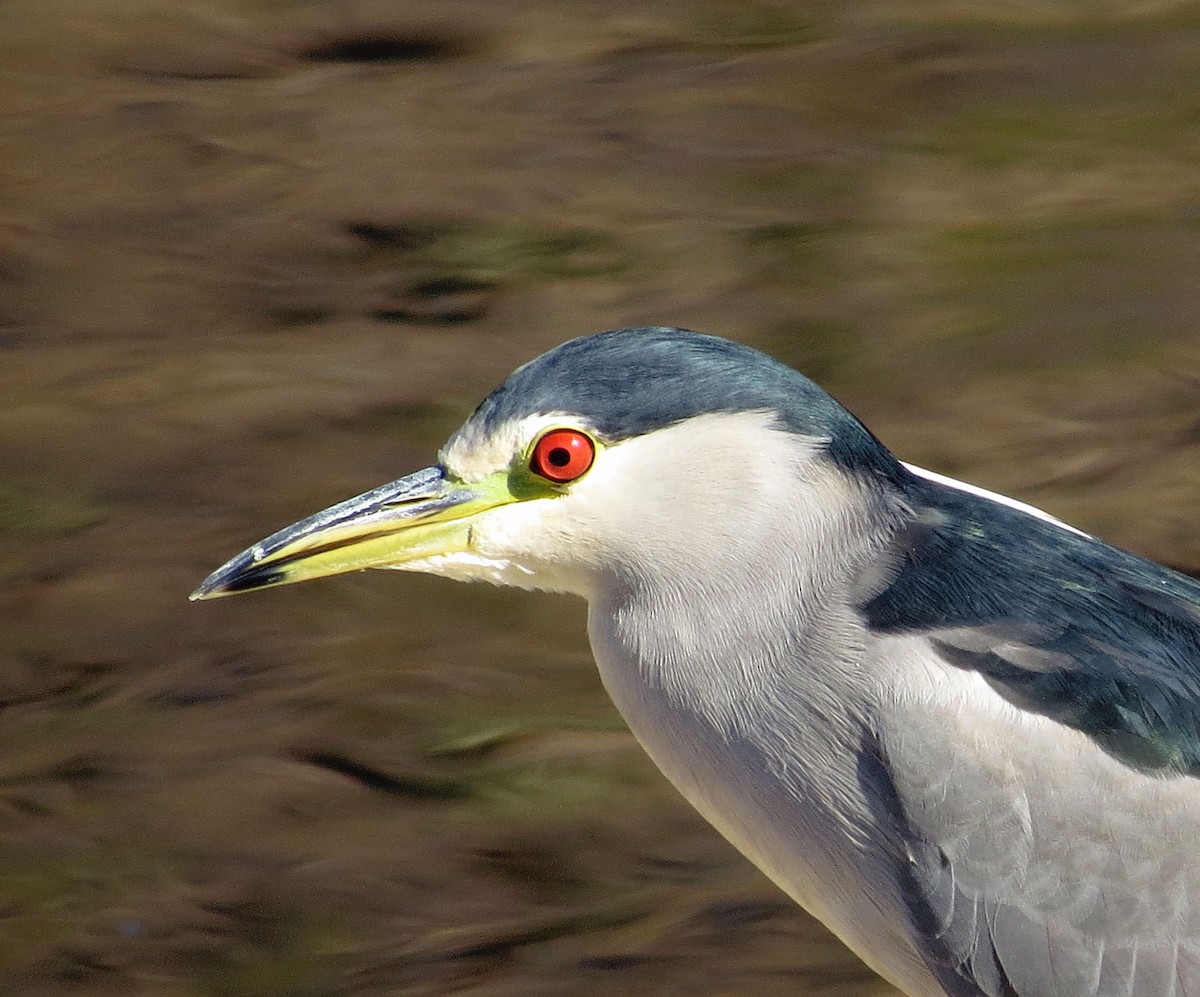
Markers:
720,615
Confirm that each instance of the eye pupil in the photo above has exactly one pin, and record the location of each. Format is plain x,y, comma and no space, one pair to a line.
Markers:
559,457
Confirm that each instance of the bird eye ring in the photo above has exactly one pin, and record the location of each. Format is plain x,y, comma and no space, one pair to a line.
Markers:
562,455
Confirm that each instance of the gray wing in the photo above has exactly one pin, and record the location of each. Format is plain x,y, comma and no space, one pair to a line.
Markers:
1054,852
1018,888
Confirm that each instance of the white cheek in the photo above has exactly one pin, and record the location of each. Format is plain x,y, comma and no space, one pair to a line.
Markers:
537,538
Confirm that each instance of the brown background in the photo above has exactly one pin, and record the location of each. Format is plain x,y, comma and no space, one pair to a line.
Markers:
258,256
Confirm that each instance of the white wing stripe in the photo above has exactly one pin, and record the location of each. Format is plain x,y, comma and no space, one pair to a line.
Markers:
962,486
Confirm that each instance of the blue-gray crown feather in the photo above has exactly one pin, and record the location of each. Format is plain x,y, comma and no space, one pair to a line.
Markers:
628,382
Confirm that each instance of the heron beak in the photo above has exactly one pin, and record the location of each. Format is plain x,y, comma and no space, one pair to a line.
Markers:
421,516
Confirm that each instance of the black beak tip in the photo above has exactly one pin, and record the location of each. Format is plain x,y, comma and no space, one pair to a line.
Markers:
239,575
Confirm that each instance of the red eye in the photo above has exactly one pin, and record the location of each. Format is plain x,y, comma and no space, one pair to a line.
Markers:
562,455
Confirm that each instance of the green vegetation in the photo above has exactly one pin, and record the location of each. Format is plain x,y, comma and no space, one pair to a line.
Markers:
749,26
548,790
41,509
477,742
797,249
51,895
828,351
498,251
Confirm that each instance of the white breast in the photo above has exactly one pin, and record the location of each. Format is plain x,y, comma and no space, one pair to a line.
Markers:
782,786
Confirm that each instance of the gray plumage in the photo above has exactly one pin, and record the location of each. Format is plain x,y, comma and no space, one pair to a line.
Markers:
1024,876
964,735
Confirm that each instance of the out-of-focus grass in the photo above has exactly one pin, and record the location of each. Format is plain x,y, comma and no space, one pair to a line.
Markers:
993,138
795,250
467,739
827,350
507,250
554,789
759,24
512,250
799,183
44,509
1010,277
998,137
544,766
294,953
52,894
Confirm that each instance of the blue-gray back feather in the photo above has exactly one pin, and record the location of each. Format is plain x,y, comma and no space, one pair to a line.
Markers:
1080,631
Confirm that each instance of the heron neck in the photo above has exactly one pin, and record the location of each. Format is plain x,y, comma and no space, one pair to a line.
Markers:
765,621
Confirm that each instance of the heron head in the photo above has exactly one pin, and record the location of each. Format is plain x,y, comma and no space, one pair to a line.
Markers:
639,451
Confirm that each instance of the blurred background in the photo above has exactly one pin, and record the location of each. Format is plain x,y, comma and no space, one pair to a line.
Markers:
259,255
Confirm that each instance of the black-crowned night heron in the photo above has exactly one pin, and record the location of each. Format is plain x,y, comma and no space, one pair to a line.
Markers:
961,733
